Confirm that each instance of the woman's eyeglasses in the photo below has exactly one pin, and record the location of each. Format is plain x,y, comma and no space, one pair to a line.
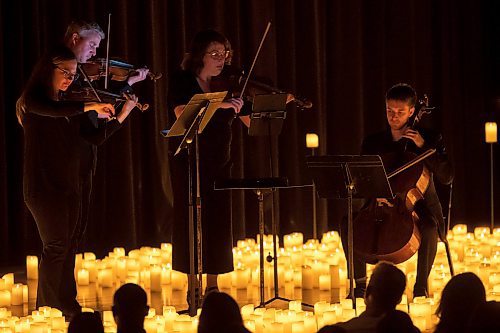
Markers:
219,55
67,74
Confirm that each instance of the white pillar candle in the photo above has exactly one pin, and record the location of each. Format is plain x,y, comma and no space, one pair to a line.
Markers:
105,278
246,311
17,294
121,269
83,277
155,278
9,280
179,280
324,282
166,274
91,267
5,298
490,131
307,277
32,267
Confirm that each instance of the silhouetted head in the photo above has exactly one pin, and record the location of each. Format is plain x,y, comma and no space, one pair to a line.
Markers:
385,288
220,313
486,318
130,306
86,322
461,295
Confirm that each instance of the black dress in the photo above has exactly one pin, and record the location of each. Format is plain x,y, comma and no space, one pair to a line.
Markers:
215,162
58,163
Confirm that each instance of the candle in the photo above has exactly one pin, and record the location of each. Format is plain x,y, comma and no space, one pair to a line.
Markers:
179,280
324,282
155,276
334,276
17,294
4,298
105,278
83,277
307,277
121,269
490,131
32,267
312,140
9,280
166,274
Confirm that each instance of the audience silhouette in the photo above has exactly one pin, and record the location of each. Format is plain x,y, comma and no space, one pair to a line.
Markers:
396,322
220,313
461,295
86,322
485,319
385,288
130,308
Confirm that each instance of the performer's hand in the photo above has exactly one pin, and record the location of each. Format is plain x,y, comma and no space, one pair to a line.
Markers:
139,75
130,103
415,137
104,110
235,103
383,201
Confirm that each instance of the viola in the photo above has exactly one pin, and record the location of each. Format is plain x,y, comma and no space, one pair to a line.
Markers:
118,70
388,231
232,78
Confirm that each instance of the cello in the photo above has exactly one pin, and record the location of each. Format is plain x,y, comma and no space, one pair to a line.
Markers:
386,230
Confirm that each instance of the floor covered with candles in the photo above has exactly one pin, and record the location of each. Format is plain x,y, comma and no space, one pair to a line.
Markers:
311,272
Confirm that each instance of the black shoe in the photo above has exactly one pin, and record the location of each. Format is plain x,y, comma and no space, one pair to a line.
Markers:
418,292
196,296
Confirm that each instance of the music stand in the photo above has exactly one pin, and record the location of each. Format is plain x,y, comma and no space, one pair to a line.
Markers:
349,176
192,121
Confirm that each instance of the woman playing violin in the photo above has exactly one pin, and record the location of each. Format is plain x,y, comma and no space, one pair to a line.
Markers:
59,140
396,140
206,59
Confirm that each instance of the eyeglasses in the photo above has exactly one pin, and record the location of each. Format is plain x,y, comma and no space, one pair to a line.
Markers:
219,55
67,74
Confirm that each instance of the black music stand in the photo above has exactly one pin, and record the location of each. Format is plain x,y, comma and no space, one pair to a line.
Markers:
348,177
192,121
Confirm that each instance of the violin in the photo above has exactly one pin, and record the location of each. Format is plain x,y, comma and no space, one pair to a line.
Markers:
388,231
118,70
87,94
231,79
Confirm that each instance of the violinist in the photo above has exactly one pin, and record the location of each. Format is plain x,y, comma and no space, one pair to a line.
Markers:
57,173
205,60
399,137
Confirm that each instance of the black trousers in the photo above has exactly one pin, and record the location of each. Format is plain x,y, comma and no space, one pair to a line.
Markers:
428,228
61,220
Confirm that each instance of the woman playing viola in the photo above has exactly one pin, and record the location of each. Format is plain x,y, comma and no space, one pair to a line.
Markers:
59,139
206,59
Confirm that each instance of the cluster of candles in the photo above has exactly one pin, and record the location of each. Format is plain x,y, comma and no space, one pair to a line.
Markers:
315,264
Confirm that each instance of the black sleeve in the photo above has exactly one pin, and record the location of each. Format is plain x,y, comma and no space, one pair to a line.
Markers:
45,106
438,163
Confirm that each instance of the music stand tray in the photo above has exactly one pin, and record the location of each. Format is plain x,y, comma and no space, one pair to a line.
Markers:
268,113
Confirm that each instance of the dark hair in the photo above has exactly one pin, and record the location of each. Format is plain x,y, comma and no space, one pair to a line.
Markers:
130,305
402,92
486,318
218,313
387,284
40,81
86,322
396,321
461,295
194,59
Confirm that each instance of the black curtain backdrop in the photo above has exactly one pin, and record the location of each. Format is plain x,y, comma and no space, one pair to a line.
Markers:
342,55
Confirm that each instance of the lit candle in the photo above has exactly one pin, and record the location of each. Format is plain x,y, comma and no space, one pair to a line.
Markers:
4,298
9,280
105,278
32,267
155,276
312,140
179,280
334,276
17,294
166,274
490,131
307,277
83,277
324,282
121,269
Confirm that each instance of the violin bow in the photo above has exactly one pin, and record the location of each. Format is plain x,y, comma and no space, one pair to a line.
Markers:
255,58
107,53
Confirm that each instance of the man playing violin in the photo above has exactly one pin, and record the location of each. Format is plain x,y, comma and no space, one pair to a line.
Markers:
397,139
84,38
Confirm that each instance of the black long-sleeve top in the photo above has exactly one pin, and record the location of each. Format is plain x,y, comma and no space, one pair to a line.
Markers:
59,144
382,143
